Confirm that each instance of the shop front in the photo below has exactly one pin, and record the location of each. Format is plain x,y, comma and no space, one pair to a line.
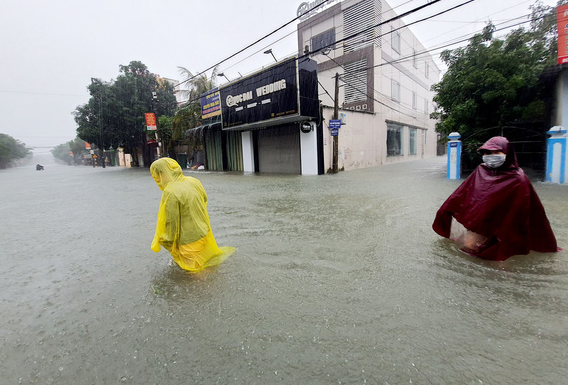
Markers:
272,118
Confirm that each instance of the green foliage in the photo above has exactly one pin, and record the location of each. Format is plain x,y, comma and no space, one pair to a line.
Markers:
493,83
114,115
165,133
76,146
10,150
189,115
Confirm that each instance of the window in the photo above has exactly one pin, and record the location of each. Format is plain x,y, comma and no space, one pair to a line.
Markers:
355,78
395,41
411,141
414,101
394,139
427,70
395,91
414,59
426,106
323,39
358,20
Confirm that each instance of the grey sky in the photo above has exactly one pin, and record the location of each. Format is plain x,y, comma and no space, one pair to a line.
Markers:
51,49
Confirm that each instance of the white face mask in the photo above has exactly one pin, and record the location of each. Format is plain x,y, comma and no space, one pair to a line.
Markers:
494,161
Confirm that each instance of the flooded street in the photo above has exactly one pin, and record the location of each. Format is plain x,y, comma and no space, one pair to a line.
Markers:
337,279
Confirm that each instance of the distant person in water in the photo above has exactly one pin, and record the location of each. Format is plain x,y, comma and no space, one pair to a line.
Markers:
183,226
495,213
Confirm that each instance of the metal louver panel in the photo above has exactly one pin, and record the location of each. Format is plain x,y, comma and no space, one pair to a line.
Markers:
359,17
355,78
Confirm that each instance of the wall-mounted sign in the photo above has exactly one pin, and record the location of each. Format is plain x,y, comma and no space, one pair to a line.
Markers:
309,8
562,23
272,93
334,123
150,121
210,104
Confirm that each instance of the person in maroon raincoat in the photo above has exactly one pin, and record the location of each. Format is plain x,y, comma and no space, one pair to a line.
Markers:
495,213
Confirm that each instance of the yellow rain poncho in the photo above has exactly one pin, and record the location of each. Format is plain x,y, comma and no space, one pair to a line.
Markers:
183,226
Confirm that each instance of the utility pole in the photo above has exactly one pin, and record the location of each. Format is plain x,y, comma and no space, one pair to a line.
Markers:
102,149
334,167
154,98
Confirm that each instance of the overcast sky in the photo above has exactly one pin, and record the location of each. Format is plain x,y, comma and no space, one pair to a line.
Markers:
50,50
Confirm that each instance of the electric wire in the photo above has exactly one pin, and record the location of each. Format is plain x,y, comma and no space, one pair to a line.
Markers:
248,46
310,22
410,57
397,17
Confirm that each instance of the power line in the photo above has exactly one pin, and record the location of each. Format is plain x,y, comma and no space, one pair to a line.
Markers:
305,55
354,73
250,45
296,18
367,95
39,93
377,25
382,23
407,58
414,22
310,22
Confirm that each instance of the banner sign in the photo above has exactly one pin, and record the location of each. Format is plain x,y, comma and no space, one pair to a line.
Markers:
562,23
272,93
87,146
150,121
210,104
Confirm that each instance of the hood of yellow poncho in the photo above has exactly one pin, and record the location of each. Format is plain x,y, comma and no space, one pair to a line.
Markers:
166,170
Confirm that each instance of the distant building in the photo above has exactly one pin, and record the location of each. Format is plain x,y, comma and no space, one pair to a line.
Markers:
180,98
385,76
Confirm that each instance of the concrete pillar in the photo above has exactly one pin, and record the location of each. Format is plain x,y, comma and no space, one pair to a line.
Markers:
556,156
248,151
309,148
454,155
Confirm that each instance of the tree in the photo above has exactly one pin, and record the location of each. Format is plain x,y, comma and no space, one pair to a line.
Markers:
165,133
495,83
114,115
189,115
10,150
70,151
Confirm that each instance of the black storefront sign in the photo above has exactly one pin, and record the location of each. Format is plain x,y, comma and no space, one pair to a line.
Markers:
270,94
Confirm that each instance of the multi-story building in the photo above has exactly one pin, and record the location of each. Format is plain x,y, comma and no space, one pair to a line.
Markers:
385,76
271,122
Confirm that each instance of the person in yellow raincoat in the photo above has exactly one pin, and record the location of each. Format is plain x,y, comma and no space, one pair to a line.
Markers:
183,226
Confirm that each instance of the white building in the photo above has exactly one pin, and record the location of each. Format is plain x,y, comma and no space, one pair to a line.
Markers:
385,77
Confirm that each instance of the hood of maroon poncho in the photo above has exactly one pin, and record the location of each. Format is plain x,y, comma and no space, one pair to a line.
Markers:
499,143
500,204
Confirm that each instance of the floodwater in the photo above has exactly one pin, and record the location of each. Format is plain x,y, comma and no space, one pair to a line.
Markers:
337,279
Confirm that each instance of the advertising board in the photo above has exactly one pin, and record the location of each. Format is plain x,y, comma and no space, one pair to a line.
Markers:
269,94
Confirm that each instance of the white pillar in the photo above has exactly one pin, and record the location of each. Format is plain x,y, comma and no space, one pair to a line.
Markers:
454,155
309,149
248,151
556,156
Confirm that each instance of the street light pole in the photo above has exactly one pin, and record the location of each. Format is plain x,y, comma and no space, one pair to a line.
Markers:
269,51
222,74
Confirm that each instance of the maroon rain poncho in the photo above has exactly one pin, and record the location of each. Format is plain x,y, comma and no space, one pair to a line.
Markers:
501,206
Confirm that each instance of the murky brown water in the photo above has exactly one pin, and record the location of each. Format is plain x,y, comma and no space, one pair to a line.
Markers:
336,280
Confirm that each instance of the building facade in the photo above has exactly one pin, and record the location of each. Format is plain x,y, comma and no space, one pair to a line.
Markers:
384,83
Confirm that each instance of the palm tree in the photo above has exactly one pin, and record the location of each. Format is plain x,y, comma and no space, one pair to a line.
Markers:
189,114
